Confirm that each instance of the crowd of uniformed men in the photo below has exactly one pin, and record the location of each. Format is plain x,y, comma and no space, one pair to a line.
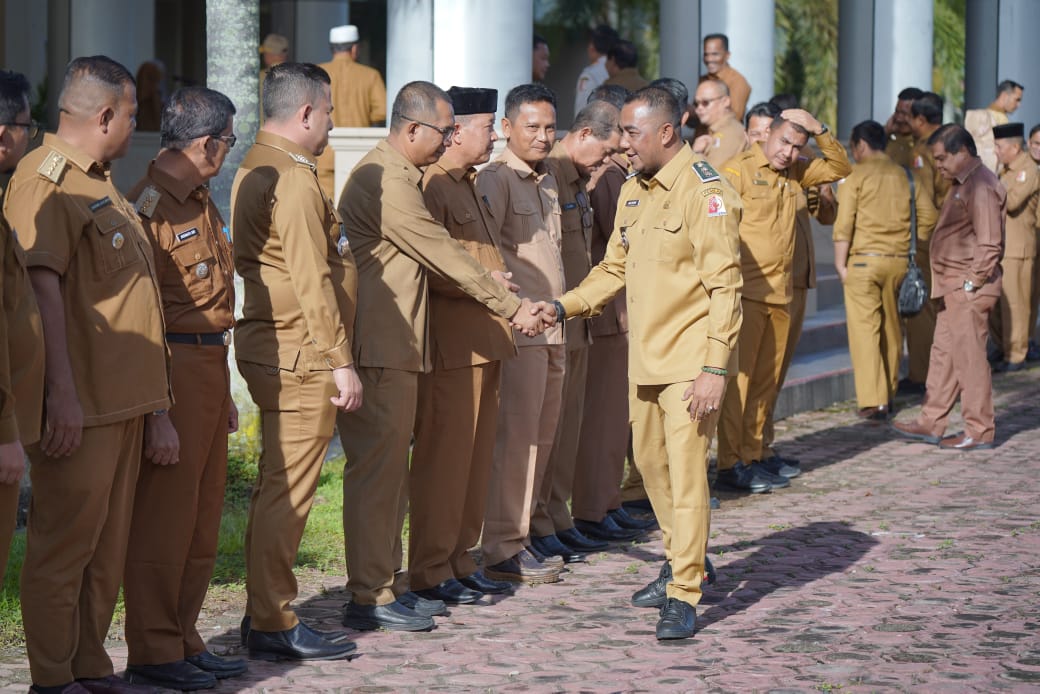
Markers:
429,307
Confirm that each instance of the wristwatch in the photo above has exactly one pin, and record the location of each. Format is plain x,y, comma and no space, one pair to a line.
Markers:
823,130
969,286
561,313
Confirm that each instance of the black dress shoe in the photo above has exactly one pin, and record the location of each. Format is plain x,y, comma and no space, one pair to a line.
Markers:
552,561
333,636
112,685
638,505
781,466
180,674
573,538
450,592
678,620
775,481
908,387
222,668
654,593
299,643
550,545
629,522
392,617
742,478
423,606
715,504
607,529
522,567
479,582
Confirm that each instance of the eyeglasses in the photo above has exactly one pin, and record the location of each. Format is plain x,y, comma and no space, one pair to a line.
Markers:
705,103
228,140
445,132
32,127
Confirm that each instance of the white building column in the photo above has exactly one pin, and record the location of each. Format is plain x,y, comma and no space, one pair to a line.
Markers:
749,24
1001,45
124,30
409,45
681,57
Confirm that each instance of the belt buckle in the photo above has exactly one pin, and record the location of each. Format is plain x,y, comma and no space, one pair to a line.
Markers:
227,337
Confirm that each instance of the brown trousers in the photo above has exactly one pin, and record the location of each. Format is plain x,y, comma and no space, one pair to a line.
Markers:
296,424
551,511
797,311
532,389
375,439
1015,297
603,444
1034,302
872,321
959,367
672,452
173,535
920,329
455,425
762,341
79,521
9,494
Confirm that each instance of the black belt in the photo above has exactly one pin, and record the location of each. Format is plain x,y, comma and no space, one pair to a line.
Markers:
881,255
219,339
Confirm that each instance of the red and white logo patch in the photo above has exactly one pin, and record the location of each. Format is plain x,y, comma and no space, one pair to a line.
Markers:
1021,178
716,208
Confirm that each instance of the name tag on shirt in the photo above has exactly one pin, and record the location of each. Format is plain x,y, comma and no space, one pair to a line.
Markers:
569,205
98,204
185,235
631,203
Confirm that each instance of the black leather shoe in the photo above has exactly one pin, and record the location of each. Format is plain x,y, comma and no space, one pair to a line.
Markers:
550,545
709,571
552,561
776,481
522,567
628,522
221,668
573,538
112,685
678,620
333,636
654,593
607,529
450,592
908,387
715,504
479,582
423,606
392,617
638,506
298,643
742,478
779,466
180,674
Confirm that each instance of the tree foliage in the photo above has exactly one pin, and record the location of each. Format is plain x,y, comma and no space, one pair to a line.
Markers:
806,36
948,53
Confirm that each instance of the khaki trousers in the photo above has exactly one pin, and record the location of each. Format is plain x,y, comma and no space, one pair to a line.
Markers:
173,534
762,341
1034,300
455,425
9,494
375,439
921,328
79,520
959,367
551,511
532,390
632,488
296,423
797,310
1015,297
603,443
872,321
672,452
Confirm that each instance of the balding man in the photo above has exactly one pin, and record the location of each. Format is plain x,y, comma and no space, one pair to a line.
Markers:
91,267
398,243
725,138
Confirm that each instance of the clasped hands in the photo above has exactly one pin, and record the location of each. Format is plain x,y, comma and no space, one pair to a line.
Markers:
533,317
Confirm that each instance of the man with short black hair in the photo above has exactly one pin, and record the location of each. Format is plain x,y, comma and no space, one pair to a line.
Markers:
981,121
716,61
900,135
623,66
601,38
539,59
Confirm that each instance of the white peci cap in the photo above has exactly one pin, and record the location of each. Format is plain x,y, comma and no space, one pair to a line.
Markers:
347,33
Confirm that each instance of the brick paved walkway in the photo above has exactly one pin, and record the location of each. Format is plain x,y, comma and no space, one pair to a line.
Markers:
887,566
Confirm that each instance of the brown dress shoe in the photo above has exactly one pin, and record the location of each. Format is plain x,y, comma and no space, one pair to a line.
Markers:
875,414
113,685
913,430
522,567
963,442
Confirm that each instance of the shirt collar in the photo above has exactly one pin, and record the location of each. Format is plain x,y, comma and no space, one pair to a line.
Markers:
968,170
278,142
669,173
75,155
567,169
395,158
520,167
176,187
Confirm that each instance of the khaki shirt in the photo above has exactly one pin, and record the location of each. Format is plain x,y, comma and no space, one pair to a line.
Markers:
192,248
463,332
1021,180
604,190
676,248
576,216
525,218
979,122
728,140
900,149
874,208
72,220
629,78
969,238
21,345
300,293
770,199
739,89
932,182
397,243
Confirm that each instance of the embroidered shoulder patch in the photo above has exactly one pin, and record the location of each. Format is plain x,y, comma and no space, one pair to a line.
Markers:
1021,177
716,208
53,166
147,202
705,172
918,161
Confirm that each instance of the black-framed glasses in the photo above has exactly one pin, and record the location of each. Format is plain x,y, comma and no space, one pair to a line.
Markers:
228,140
32,128
705,103
444,132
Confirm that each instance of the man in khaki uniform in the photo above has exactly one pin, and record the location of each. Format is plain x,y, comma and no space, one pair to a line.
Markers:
900,145
676,249
871,243
1019,176
587,146
398,244
358,96
770,178
724,137
966,277
457,409
623,66
21,332
177,507
292,344
90,264
981,121
716,61
523,197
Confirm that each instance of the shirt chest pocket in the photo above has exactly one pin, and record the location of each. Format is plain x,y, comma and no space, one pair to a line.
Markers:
466,225
527,221
667,242
196,263
115,242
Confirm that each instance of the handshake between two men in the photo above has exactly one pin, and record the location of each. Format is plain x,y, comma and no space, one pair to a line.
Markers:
533,317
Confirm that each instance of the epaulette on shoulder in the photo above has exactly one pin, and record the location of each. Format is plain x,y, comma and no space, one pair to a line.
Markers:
147,202
53,166
705,172
300,159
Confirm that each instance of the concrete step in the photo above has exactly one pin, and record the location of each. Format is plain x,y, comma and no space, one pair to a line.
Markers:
815,381
823,331
829,291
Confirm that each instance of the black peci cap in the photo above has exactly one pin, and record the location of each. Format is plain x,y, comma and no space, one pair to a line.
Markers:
469,100
1002,132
